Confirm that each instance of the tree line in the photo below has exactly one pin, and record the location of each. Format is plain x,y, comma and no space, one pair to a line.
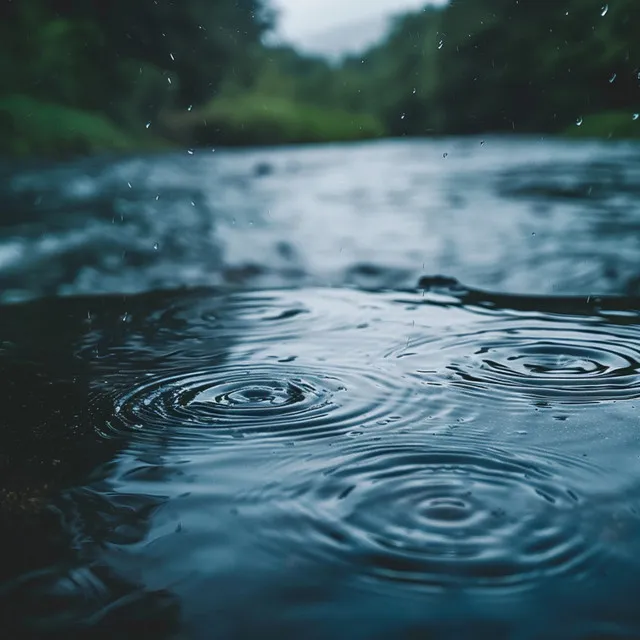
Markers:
199,71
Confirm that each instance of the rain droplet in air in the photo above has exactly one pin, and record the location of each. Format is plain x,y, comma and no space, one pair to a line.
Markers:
172,56
612,79
414,90
635,116
604,10
579,121
156,246
190,152
190,107
440,44
402,117
148,125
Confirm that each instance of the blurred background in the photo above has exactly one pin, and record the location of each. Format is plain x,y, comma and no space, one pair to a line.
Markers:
257,143
88,76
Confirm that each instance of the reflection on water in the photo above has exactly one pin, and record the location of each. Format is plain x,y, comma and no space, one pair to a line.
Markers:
323,462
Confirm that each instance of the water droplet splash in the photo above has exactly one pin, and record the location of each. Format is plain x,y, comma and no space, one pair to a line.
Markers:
443,512
520,362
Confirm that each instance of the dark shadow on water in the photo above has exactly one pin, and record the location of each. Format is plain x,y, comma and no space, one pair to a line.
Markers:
52,356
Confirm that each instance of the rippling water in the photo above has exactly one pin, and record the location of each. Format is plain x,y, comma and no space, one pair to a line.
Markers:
321,443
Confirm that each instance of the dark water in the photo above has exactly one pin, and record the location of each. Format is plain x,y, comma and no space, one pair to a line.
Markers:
269,420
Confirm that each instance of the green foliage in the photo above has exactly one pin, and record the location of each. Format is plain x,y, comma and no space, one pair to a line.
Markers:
470,66
259,119
611,124
33,127
501,65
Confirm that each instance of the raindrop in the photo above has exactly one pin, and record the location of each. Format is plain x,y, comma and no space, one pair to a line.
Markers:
414,90
156,246
148,125
172,57
190,107
402,117
129,185
445,154
579,121
482,143
190,152
612,79
440,44
169,80
604,10
635,116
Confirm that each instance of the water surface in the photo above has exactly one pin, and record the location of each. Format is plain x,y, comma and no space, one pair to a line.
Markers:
269,419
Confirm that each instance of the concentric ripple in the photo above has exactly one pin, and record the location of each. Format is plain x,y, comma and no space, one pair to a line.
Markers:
442,515
542,361
278,400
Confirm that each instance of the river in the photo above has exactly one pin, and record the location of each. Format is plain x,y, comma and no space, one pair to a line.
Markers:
378,390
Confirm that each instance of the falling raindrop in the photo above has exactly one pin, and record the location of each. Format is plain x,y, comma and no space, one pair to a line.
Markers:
635,116
190,107
190,152
156,246
604,10
579,121
482,143
414,90
612,79
402,117
172,56
440,44
445,154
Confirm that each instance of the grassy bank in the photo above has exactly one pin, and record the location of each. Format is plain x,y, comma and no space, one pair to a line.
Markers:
616,125
30,127
256,120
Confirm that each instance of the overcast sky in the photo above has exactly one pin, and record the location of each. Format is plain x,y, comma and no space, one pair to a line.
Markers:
299,18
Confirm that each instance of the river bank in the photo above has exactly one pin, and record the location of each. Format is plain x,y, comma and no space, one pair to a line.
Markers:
35,128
